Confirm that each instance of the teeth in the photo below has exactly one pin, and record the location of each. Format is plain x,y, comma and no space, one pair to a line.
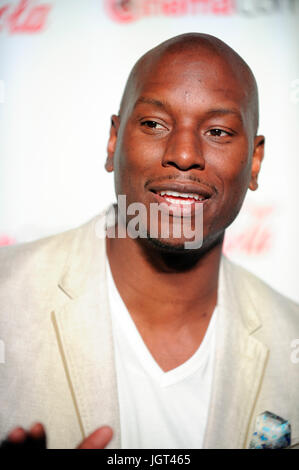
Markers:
182,195
187,202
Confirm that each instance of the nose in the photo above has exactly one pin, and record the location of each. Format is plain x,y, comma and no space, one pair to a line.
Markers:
184,150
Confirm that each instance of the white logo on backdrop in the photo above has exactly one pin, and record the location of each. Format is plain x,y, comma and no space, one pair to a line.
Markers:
295,353
295,91
2,91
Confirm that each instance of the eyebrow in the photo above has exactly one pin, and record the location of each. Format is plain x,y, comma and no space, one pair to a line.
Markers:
164,105
152,101
225,111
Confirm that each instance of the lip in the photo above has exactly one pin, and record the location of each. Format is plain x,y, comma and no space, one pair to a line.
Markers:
177,209
181,187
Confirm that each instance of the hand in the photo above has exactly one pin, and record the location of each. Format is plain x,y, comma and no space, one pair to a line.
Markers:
35,438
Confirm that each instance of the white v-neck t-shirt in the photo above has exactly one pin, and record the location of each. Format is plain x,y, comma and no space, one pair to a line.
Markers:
159,410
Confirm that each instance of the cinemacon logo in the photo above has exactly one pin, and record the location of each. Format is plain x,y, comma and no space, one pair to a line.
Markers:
127,11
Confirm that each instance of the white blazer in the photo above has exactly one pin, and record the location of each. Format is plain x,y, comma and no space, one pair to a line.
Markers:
58,365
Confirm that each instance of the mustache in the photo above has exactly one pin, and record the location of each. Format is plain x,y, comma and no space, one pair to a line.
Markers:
178,177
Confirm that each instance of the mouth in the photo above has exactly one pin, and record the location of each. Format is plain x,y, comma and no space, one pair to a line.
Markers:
183,195
184,199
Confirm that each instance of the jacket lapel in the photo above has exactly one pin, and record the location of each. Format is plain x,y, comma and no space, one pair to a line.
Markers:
240,361
84,334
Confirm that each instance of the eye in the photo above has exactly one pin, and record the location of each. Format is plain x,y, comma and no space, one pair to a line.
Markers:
152,125
219,133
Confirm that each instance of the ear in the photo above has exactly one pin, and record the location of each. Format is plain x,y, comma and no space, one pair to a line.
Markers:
112,142
257,158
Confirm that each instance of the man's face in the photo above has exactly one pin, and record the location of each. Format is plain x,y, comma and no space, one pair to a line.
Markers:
187,130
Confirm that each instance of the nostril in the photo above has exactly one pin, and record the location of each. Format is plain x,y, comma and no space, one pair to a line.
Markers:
184,167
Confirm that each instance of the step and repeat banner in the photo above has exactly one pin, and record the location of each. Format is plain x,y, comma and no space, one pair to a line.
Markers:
63,67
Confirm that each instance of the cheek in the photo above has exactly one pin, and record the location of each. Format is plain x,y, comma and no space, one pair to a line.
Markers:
137,154
235,188
134,159
232,165
239,176
232,170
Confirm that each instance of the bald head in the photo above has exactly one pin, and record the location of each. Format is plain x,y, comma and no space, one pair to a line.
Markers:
207,48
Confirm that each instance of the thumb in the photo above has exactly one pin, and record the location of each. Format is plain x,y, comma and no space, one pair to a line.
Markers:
98,439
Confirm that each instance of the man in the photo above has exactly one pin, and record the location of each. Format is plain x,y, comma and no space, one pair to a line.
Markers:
141,337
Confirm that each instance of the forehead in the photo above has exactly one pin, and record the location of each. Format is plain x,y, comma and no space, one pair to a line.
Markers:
192,76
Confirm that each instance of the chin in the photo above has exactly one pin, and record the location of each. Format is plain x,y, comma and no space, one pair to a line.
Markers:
169,246
178,246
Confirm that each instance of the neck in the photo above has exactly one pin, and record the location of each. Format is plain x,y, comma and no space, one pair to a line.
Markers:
159,286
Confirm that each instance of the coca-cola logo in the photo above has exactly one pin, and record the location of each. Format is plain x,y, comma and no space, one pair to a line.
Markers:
255,233
26,16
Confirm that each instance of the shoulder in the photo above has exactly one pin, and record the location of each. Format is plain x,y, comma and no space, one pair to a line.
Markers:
42,260
271,304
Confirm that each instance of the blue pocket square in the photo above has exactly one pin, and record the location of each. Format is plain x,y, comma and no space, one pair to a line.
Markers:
271,432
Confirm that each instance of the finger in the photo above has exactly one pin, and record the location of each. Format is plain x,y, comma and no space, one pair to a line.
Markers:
15,439
36,437
17,435
20,438
98,439
37,431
